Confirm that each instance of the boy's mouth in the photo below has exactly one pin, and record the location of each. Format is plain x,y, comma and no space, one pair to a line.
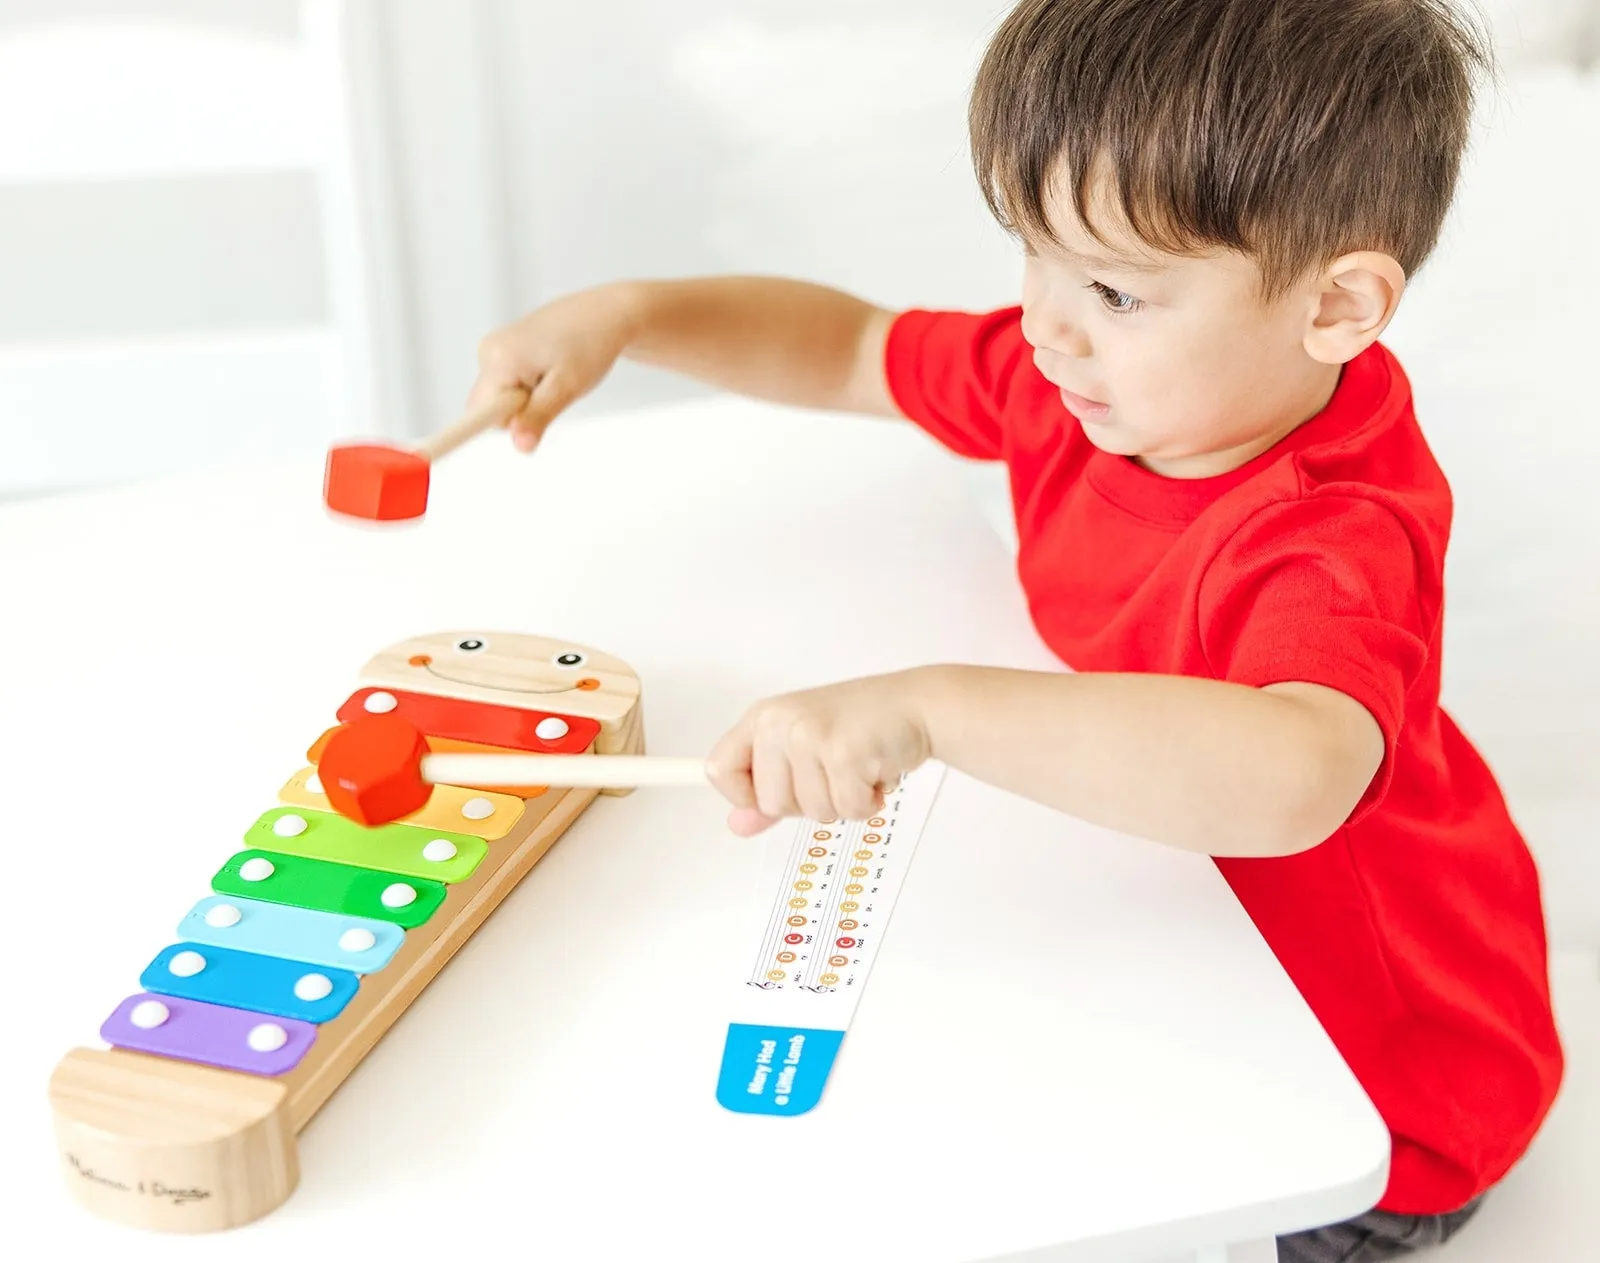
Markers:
1083,407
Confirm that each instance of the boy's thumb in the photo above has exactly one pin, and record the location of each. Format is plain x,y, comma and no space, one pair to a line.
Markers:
545,402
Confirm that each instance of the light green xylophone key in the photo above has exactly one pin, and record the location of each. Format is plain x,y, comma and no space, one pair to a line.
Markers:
396,848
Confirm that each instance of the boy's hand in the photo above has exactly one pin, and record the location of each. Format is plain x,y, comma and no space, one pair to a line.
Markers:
557,353
827,753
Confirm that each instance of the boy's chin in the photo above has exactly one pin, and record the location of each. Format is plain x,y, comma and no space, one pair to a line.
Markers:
1108,436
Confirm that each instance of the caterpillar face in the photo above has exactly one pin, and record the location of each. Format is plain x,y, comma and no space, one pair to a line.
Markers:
511,669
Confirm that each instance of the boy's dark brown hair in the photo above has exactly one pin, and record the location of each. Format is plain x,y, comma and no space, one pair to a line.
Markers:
1293,131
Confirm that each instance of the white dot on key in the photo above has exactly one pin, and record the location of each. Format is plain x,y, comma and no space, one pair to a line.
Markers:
551,729
268,1037
314,784
477,809
314,987
357,940
257,868
398,895
221,916
289,826
380,703
186,964
439,850
148,1014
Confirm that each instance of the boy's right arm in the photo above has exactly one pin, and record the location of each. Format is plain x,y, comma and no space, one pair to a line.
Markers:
786,341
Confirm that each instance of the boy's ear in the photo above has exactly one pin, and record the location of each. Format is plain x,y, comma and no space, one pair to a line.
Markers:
1352,303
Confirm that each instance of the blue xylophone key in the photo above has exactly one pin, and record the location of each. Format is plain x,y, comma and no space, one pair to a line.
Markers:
243,980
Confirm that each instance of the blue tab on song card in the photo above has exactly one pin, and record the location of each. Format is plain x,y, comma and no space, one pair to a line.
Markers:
775,1069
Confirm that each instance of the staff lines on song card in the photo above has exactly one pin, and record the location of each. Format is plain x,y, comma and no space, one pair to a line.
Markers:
809,836
777,915
822,857
781,908
846,858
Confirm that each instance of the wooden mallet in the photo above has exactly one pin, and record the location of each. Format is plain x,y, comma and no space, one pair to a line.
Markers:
377,768
387,483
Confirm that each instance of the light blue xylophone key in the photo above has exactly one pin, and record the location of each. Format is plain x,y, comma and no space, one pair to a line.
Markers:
359,944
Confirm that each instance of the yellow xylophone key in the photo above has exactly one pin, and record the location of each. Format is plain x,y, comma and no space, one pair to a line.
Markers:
482,813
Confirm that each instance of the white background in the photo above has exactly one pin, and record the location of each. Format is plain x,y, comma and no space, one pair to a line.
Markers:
504,151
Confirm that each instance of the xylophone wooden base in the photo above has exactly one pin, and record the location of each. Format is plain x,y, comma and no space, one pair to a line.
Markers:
175,1146
170,1145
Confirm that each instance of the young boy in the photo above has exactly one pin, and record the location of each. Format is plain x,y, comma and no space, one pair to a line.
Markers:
1231,526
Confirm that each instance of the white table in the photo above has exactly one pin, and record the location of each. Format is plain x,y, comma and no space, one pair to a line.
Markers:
1074,1046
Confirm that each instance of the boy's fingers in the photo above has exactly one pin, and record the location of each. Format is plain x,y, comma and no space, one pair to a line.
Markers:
499,372
728,768
841,781
731,769
856,798
746,822
773,777
812,789
545,402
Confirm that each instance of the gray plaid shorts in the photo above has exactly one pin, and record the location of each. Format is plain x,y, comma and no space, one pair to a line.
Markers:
1374,1236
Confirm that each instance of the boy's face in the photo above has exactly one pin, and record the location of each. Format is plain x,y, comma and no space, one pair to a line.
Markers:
1172,360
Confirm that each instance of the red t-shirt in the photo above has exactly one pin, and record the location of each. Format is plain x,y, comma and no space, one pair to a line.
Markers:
1415,932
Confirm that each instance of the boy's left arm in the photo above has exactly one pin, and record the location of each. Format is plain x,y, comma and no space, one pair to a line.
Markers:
1312,622
1220,768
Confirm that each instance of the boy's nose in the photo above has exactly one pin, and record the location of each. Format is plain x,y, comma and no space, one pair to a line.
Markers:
1051,332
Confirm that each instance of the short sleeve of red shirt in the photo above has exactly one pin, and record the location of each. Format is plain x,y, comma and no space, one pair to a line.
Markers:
1321,591
950,373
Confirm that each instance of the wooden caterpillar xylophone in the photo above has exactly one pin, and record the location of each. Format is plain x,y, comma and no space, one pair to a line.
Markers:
319,933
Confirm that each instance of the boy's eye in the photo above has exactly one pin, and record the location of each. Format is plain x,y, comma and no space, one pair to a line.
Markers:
1115,300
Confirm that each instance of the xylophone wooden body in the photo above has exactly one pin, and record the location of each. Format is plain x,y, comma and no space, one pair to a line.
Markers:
168,1139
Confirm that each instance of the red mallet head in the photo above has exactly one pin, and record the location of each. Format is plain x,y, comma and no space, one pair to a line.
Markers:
373,481
371,769
385,483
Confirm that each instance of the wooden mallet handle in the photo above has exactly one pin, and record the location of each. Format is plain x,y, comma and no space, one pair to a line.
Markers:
496,411
378,768
563,771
